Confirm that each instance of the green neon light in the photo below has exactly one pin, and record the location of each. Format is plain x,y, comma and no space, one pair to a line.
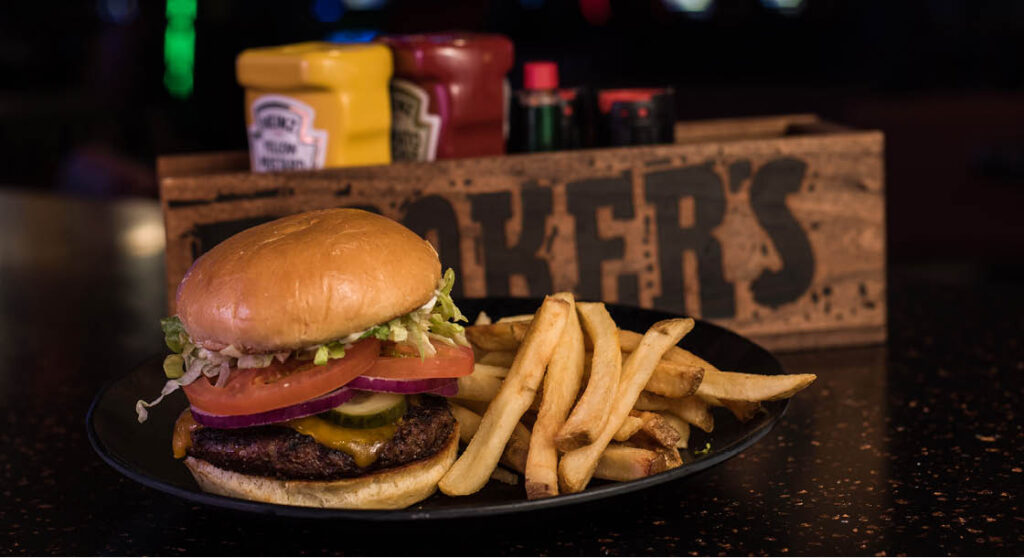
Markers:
180,47
185,9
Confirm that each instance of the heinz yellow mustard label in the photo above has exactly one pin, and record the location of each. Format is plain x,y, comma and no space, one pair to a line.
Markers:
316,105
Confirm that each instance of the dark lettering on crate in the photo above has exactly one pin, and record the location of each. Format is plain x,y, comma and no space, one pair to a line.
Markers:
434,214
772,183
503,259
664,190
584,198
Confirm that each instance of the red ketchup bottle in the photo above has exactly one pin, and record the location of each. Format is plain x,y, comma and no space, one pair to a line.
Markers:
448,95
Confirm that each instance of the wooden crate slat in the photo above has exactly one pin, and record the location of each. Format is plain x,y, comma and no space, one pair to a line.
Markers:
780,238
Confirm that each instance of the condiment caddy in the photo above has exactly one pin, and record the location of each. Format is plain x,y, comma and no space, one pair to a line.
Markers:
426,97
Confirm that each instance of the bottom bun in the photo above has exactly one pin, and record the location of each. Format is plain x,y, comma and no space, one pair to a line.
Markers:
389,489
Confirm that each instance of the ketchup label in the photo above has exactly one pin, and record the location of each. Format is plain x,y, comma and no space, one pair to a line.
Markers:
281,136
414,131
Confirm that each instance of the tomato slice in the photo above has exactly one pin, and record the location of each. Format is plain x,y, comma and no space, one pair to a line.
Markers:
281,385
450,362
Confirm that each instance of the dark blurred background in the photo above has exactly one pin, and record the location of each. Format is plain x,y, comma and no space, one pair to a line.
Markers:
92,91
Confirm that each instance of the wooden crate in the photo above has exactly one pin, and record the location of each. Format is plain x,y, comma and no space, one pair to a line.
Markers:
773,227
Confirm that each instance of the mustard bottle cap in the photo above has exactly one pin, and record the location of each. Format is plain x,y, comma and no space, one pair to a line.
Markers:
312,64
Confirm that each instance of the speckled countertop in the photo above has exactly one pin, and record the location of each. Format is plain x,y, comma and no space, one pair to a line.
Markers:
912,448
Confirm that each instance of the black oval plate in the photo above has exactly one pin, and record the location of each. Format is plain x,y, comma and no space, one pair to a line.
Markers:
142,451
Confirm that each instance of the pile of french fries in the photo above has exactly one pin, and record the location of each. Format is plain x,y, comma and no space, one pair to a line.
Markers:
564,395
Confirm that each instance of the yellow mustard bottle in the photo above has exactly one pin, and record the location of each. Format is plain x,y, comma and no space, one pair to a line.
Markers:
315,105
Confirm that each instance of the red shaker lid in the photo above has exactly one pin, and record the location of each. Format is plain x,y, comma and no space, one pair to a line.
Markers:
540,76
607,97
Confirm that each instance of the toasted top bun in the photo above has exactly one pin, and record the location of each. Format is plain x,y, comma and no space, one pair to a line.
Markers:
306,279
388,489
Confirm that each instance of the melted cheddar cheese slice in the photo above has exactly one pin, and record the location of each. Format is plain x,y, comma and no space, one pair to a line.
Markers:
362,444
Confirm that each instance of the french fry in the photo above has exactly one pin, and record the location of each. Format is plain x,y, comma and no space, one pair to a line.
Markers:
692,409
735,390
471,470
517,318
479,387
680,355
672,379
647,429
478,407
743,410
517,448
504,476
695,411
484,388
590,413
752,387
672,457
657,430
561,385
578,466
620,462
468,421
482,319
677,355
497,358
681,427
518,445
489,370
630,340
630,426
505,336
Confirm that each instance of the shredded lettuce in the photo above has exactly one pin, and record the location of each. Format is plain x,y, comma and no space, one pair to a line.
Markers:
254,361
322,355
448,310
170,387
336,350
418,337
434,322
174,333
397,331
382,332
705,451
445,328
327,352
174,366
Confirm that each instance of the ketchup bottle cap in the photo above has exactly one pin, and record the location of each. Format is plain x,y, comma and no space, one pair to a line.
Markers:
540,76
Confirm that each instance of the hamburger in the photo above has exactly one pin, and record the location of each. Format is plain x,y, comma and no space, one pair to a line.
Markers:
313,351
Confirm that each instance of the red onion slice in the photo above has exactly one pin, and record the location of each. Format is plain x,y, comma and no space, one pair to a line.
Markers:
388,385
451,389
304,409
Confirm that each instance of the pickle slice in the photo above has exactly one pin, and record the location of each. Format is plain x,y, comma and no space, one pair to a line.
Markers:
368,409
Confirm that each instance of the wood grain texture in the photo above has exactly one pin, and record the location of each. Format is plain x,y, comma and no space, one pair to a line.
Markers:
780,238
720,129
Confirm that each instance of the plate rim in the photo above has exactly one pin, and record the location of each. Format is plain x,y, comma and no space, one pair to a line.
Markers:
714,458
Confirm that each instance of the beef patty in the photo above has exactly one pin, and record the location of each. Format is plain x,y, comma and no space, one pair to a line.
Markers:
283,453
